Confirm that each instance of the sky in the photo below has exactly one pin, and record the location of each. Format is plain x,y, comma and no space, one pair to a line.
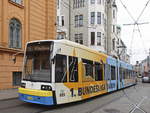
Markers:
137,46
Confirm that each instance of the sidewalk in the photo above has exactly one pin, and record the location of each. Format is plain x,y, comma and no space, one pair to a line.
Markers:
8,94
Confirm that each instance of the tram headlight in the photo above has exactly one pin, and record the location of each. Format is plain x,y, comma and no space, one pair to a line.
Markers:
46,87
23,85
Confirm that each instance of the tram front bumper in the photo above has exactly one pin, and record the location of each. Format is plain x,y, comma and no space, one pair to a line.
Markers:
36,96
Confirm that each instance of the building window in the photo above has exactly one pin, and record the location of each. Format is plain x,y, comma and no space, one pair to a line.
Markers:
61,36
103,2
62,21
17,1
76,38
114,13
76,21
113,44
83,3
79,38
14,34
92,17
99,38
113,28
92,38
103,19
98,17
78,3
74,3
81,20
98,1
58,4
92,1
17,78
57,20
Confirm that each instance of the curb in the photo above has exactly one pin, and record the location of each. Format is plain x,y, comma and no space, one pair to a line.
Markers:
8,99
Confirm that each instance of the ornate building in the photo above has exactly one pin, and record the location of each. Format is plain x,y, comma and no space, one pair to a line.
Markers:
22,21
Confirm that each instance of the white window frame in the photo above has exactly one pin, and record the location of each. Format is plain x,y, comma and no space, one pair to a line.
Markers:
17,1
92,17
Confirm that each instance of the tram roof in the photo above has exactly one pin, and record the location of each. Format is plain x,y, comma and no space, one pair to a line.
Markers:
112,61
70,43
125,65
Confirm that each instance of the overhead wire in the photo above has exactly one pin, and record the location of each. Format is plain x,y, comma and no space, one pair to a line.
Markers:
141,38
132,39
127,10
132,24
143,10
136,22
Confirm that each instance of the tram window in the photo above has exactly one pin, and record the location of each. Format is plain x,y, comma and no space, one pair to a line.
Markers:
107,72
113,73
124,73
41,61
45,62
98,71
61,68
126,77
133,74
73,69
37,63
88,67
128,74
121,73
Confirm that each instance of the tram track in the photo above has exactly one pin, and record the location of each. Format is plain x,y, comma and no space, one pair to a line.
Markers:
6,102
99,107
115,99
87,106
14,105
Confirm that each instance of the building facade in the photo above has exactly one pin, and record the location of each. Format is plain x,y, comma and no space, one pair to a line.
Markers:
88,23
143,66
63,19
22,21
121,47
92,23
112,36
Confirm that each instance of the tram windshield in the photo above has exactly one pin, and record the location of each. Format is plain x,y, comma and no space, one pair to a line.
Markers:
37,66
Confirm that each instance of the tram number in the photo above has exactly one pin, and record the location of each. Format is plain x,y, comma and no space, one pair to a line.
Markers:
72,92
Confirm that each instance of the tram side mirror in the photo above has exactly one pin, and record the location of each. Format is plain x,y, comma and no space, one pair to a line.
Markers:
53,60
